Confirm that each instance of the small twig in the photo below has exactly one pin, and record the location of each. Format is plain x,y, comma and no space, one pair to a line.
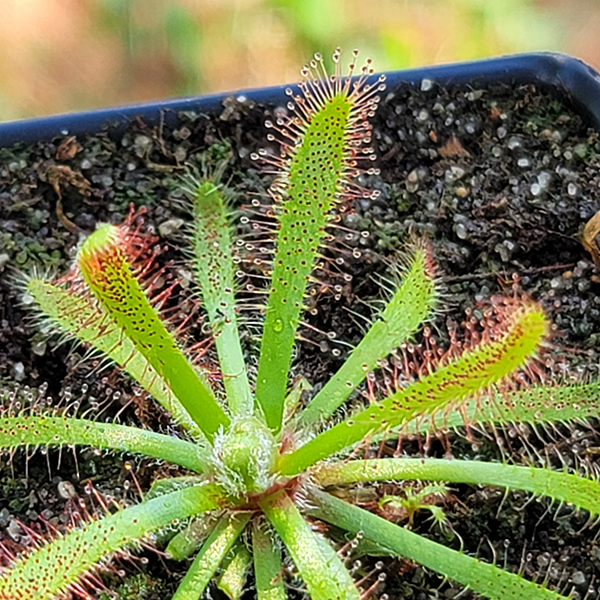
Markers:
494,274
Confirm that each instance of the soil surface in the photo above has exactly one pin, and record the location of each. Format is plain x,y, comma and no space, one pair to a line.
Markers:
500,180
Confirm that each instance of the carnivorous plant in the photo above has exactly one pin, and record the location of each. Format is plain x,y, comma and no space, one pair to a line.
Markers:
263,467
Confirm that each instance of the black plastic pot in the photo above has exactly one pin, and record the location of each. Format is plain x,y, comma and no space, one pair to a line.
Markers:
567,78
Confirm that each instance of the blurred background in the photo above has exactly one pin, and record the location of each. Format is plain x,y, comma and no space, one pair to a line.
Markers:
65,55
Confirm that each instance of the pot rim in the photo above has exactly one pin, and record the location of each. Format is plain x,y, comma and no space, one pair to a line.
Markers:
565,77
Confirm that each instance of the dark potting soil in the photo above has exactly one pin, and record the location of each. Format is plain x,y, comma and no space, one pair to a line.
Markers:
500,180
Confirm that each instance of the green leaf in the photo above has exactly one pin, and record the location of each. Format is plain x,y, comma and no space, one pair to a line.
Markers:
232,581
485,579
51,430
85,320
560,486
470,374
166,485
538,405
111,280
267,563
185,542
214,268
210,556
49,570
314,178
411,304
320,567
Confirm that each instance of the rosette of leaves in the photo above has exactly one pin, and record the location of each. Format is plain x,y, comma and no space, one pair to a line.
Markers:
260,467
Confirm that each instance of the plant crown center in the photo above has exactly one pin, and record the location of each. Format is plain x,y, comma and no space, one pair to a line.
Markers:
244,457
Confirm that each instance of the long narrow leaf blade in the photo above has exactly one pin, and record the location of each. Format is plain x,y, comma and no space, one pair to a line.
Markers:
235,571
214,267
570,488
538,405
488,580
472,373
210,556
53,430
86,321
328,129
184,543
51,569
267,563
320,567
405,312
111,280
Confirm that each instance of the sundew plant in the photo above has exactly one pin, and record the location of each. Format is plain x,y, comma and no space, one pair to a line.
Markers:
268,460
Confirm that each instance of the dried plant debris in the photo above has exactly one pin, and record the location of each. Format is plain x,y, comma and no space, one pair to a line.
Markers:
500,180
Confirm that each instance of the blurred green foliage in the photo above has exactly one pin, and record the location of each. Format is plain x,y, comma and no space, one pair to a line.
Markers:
117,51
